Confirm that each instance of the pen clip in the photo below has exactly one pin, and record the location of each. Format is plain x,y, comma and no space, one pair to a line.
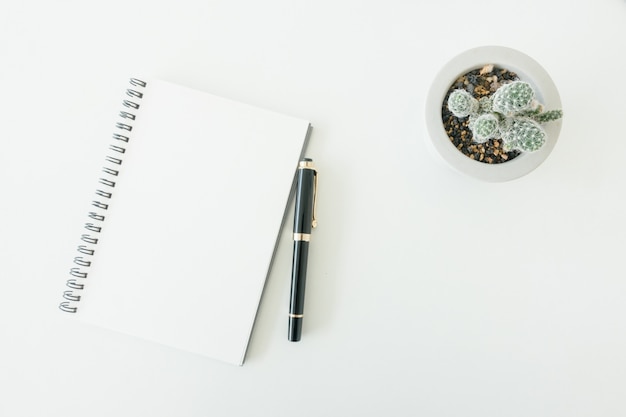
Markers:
314,220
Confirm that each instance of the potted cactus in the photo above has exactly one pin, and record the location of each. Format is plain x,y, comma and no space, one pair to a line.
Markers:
486,113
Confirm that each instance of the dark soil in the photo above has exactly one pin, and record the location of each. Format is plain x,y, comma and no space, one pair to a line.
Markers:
480,82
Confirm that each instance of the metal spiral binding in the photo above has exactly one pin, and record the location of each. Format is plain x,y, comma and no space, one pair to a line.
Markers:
104,193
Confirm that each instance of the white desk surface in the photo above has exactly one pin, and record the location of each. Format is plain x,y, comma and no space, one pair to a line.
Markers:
429,293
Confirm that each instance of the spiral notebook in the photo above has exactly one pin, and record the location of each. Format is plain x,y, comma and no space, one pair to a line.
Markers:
185,218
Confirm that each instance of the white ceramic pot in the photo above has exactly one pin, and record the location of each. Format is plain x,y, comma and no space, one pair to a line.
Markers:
527,70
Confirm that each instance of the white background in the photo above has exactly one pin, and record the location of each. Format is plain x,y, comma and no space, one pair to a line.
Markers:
429,293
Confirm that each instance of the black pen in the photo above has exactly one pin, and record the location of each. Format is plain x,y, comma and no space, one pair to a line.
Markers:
304,220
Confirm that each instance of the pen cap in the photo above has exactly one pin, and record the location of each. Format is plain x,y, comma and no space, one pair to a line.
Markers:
305,189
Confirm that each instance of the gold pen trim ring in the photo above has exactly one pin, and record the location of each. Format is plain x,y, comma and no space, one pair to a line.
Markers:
306,165
304,237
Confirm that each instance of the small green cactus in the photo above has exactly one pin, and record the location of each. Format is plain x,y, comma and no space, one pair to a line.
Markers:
513,98
512,113
462,104
485,105
485,127
548,116
525,135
